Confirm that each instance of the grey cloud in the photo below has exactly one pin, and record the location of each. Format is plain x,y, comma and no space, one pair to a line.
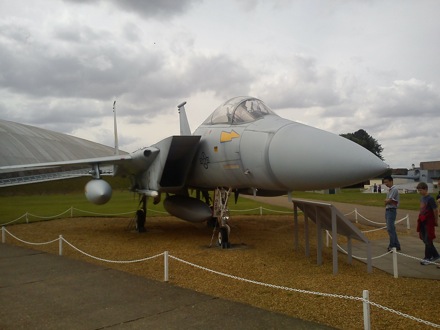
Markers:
221,74
87,69
248,5
59,81
152,8
76,33
147,9
304,84
86,63
10,32
406,99
131,32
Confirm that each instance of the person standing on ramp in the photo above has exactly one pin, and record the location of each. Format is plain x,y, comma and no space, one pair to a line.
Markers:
391,205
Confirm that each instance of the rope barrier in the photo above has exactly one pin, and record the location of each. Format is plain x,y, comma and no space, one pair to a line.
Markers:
71,209
340,248
48,217
436,263
332,295
12,221
110,261
379,223
103,214
26,242
273,286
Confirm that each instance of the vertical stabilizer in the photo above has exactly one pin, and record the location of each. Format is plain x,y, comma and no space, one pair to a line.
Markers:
184,125
116,130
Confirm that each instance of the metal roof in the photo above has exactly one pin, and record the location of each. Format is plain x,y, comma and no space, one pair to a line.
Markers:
24,144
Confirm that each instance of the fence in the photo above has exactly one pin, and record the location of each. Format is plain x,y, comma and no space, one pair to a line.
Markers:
393,251
72,211
366,303
357,215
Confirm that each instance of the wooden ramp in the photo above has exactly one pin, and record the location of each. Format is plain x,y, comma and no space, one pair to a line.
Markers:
328,217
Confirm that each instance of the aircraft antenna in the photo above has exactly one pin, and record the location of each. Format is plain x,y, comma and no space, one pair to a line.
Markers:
115,129
184,125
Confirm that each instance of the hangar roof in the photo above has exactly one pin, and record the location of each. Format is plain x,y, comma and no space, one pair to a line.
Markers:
24,144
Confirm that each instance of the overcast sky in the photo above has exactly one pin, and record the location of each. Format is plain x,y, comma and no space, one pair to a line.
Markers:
336,65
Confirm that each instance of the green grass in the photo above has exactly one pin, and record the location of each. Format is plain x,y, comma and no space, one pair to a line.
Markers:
43,206
51,198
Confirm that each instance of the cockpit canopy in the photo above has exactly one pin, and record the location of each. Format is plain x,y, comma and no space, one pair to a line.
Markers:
239,110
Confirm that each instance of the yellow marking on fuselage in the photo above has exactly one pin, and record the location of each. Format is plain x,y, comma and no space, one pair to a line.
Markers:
228,136
231,166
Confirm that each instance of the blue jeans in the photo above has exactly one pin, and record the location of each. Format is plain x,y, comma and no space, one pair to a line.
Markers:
430,250
390,217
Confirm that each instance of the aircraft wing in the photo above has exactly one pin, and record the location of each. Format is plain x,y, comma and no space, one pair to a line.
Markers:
29,154
12,175
80,163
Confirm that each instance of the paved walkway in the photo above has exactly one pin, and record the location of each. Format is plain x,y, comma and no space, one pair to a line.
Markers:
408,263
44,291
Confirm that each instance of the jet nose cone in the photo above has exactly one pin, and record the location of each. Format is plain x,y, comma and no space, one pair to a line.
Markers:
302,158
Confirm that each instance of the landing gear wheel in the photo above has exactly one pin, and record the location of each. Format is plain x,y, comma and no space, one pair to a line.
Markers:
223,237
140,221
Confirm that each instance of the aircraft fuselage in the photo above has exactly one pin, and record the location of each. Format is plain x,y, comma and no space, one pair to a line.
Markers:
276,154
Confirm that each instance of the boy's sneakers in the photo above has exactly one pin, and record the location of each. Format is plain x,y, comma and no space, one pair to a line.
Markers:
425,262
429,261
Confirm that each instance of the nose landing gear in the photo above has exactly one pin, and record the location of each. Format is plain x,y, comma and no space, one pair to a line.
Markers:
221,213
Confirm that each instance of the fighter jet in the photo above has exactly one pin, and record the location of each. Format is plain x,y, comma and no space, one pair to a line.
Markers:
243,147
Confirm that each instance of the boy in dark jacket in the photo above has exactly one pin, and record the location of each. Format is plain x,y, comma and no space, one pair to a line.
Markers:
426,223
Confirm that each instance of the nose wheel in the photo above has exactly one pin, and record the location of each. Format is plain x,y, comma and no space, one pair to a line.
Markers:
223,237
221,213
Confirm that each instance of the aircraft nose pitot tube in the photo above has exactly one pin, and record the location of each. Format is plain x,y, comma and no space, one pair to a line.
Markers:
302,158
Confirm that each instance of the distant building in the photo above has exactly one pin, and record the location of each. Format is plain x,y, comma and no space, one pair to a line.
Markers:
428,172
407,179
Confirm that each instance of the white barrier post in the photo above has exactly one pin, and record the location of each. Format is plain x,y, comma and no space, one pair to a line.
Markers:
366,305
3,235
261,210
395,270
27,220
407,222
356,214
165,265
71,211
60,245
327,239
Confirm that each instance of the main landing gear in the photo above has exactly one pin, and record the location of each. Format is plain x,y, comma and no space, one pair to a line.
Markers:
141,215
221,213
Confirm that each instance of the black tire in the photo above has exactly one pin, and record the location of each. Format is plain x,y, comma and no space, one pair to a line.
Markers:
224,238
140,221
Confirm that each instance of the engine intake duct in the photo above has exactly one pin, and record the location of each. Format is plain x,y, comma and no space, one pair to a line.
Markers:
181,151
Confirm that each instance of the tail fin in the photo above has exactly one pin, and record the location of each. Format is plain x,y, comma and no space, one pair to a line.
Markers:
184,125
